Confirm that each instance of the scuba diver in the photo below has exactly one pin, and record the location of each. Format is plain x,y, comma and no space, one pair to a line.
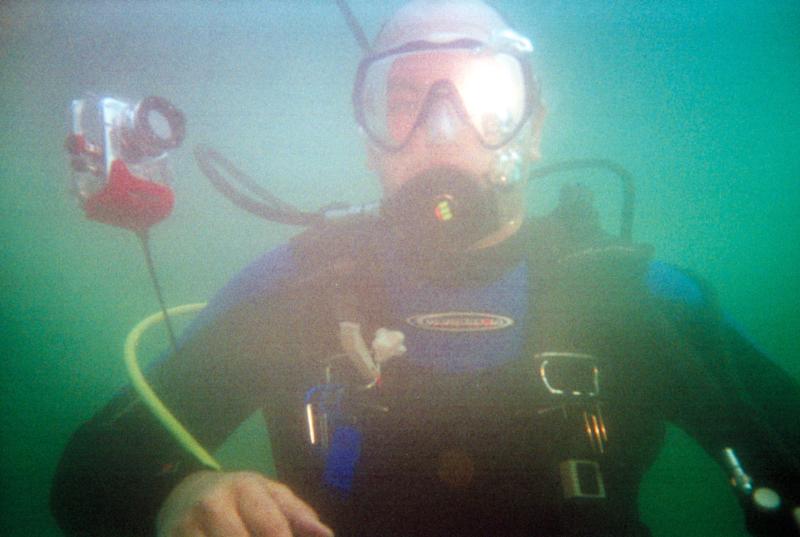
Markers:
445,365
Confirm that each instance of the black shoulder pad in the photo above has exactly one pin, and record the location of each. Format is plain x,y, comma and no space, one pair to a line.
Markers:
335,244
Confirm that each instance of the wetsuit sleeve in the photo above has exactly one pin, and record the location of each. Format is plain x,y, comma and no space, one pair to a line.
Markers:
770,452
119,467
730,394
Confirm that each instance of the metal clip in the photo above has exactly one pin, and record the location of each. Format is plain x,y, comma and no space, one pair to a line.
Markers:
595,428
739,479
321,402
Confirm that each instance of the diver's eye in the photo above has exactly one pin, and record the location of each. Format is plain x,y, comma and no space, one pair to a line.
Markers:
403,99
402,106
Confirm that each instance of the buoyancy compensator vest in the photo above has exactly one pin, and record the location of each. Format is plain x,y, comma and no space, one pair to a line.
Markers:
556,439
554,442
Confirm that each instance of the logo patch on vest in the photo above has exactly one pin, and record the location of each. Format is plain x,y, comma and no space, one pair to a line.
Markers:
460,321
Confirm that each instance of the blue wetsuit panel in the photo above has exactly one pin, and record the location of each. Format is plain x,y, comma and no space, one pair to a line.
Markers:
668,282
264,275
446,350
470,328
508,296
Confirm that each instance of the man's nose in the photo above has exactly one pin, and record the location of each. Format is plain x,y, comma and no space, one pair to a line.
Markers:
442,122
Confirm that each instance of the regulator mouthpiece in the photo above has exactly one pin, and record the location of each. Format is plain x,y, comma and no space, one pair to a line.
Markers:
441,210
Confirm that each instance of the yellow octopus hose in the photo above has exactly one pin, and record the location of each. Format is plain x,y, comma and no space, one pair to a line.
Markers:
147,394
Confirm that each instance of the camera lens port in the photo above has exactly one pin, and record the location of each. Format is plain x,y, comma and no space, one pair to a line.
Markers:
158,126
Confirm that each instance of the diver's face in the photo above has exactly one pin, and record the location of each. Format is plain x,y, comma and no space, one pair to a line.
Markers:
441,139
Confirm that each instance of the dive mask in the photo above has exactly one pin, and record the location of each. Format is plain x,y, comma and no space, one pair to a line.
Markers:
490,87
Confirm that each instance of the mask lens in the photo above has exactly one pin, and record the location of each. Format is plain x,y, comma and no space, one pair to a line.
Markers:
391,101
490,91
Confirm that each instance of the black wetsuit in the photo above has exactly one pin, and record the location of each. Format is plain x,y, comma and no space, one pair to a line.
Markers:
523,372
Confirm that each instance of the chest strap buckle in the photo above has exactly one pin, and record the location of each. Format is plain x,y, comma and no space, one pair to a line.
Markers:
581,479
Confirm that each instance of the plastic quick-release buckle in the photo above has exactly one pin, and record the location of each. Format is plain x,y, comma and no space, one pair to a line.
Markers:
569,373
581,479
572,383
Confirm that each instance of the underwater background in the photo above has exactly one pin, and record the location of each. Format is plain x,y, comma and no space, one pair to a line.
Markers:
699,99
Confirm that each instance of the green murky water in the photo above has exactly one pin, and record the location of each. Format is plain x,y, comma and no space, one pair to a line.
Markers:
697,98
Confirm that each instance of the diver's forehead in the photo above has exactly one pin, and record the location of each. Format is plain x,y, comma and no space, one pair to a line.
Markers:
439,21
426,67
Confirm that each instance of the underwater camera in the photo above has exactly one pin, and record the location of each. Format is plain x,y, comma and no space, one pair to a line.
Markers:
118,152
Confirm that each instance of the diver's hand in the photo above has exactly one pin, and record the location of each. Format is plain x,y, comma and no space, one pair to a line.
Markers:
241,504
